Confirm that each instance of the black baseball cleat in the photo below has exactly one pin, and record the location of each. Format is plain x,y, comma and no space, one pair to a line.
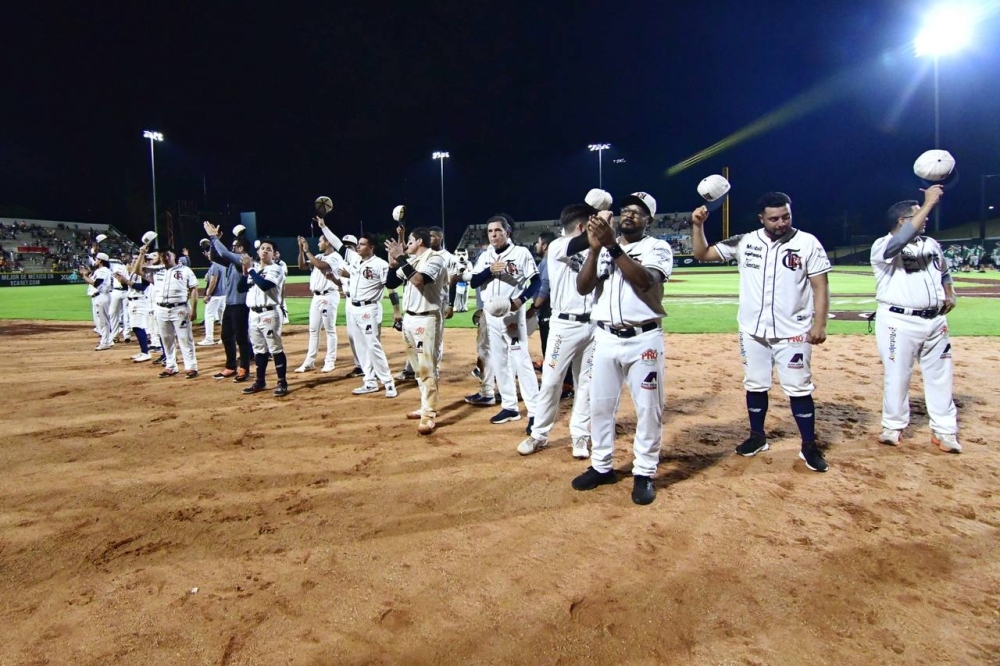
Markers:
282,389
531,422
479,399
643,491
753,445
254,388
356,372
813,457
591,478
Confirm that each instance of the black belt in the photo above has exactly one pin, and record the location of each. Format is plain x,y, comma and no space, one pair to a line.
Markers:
929,313
584,318
358,304
95,295
631,331
171,305
134,298
263,308
423,314
119,289
322,293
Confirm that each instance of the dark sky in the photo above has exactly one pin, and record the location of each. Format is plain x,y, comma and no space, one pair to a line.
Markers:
276,106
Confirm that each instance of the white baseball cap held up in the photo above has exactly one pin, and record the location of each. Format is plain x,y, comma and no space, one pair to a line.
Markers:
713,189
350,239
599,199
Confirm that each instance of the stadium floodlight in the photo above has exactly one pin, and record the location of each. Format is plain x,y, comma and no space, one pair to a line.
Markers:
620,160
599,148
947,29
441,156
154,137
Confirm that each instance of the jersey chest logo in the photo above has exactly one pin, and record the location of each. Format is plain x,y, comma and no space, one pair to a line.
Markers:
511,268
792,261
178,275
368,273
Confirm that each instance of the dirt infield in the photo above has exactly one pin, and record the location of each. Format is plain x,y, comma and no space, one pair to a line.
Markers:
157,521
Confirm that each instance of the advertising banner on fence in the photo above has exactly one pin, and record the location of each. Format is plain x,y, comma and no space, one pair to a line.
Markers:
39,279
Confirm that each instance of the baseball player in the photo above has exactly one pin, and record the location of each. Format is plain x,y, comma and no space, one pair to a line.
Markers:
996,257
100,281
508,277
117,311
425,277
784,301
351,242
628,274
284,270
570,342
325,285
262,284
215,290
178,307
137,302
365,289
236,316
914,292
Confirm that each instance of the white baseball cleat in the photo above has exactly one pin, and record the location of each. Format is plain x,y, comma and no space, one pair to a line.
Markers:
327,368
531,445
206,343
306,367
390,391
946,441
580,450
103,347
141,358
366,388
890,437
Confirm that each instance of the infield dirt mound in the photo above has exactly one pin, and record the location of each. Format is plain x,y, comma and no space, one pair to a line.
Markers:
170,521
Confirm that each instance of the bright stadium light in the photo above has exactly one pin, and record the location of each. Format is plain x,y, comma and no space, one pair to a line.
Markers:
153,137
442,156
947,29
600,148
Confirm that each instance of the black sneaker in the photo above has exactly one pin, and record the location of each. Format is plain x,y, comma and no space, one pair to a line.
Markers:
591,478
356,372
813,457
254,388
282,389
643,491
753,445
160,359
479,399
505,415
531,422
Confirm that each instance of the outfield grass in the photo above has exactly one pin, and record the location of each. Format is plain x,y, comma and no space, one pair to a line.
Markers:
715,313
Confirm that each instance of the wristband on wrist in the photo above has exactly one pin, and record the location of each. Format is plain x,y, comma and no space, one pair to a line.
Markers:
616,251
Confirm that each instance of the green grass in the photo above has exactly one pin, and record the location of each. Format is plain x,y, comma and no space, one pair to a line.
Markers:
852,288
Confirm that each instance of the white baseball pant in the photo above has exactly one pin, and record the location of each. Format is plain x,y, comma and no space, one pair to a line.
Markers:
348,308
790,356
138,311
570,347
488,378
323,315
639,361
420,337
214,309
903,339
366,322
175,329
265,332
116,313
508,358
101,305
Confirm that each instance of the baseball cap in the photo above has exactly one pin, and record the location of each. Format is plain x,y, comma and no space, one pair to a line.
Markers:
936,167
643,199
148,237
599,199
350,239
103,257
239,229
101,238
713,189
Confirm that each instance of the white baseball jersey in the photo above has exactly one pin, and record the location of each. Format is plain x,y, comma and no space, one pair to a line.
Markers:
776,298
368,276
618,304
177,284
428,298
257,297
563,296
911,279
103,273
318,281
117,267
452,268
515,277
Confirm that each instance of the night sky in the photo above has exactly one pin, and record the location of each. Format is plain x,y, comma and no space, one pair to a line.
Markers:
272,107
